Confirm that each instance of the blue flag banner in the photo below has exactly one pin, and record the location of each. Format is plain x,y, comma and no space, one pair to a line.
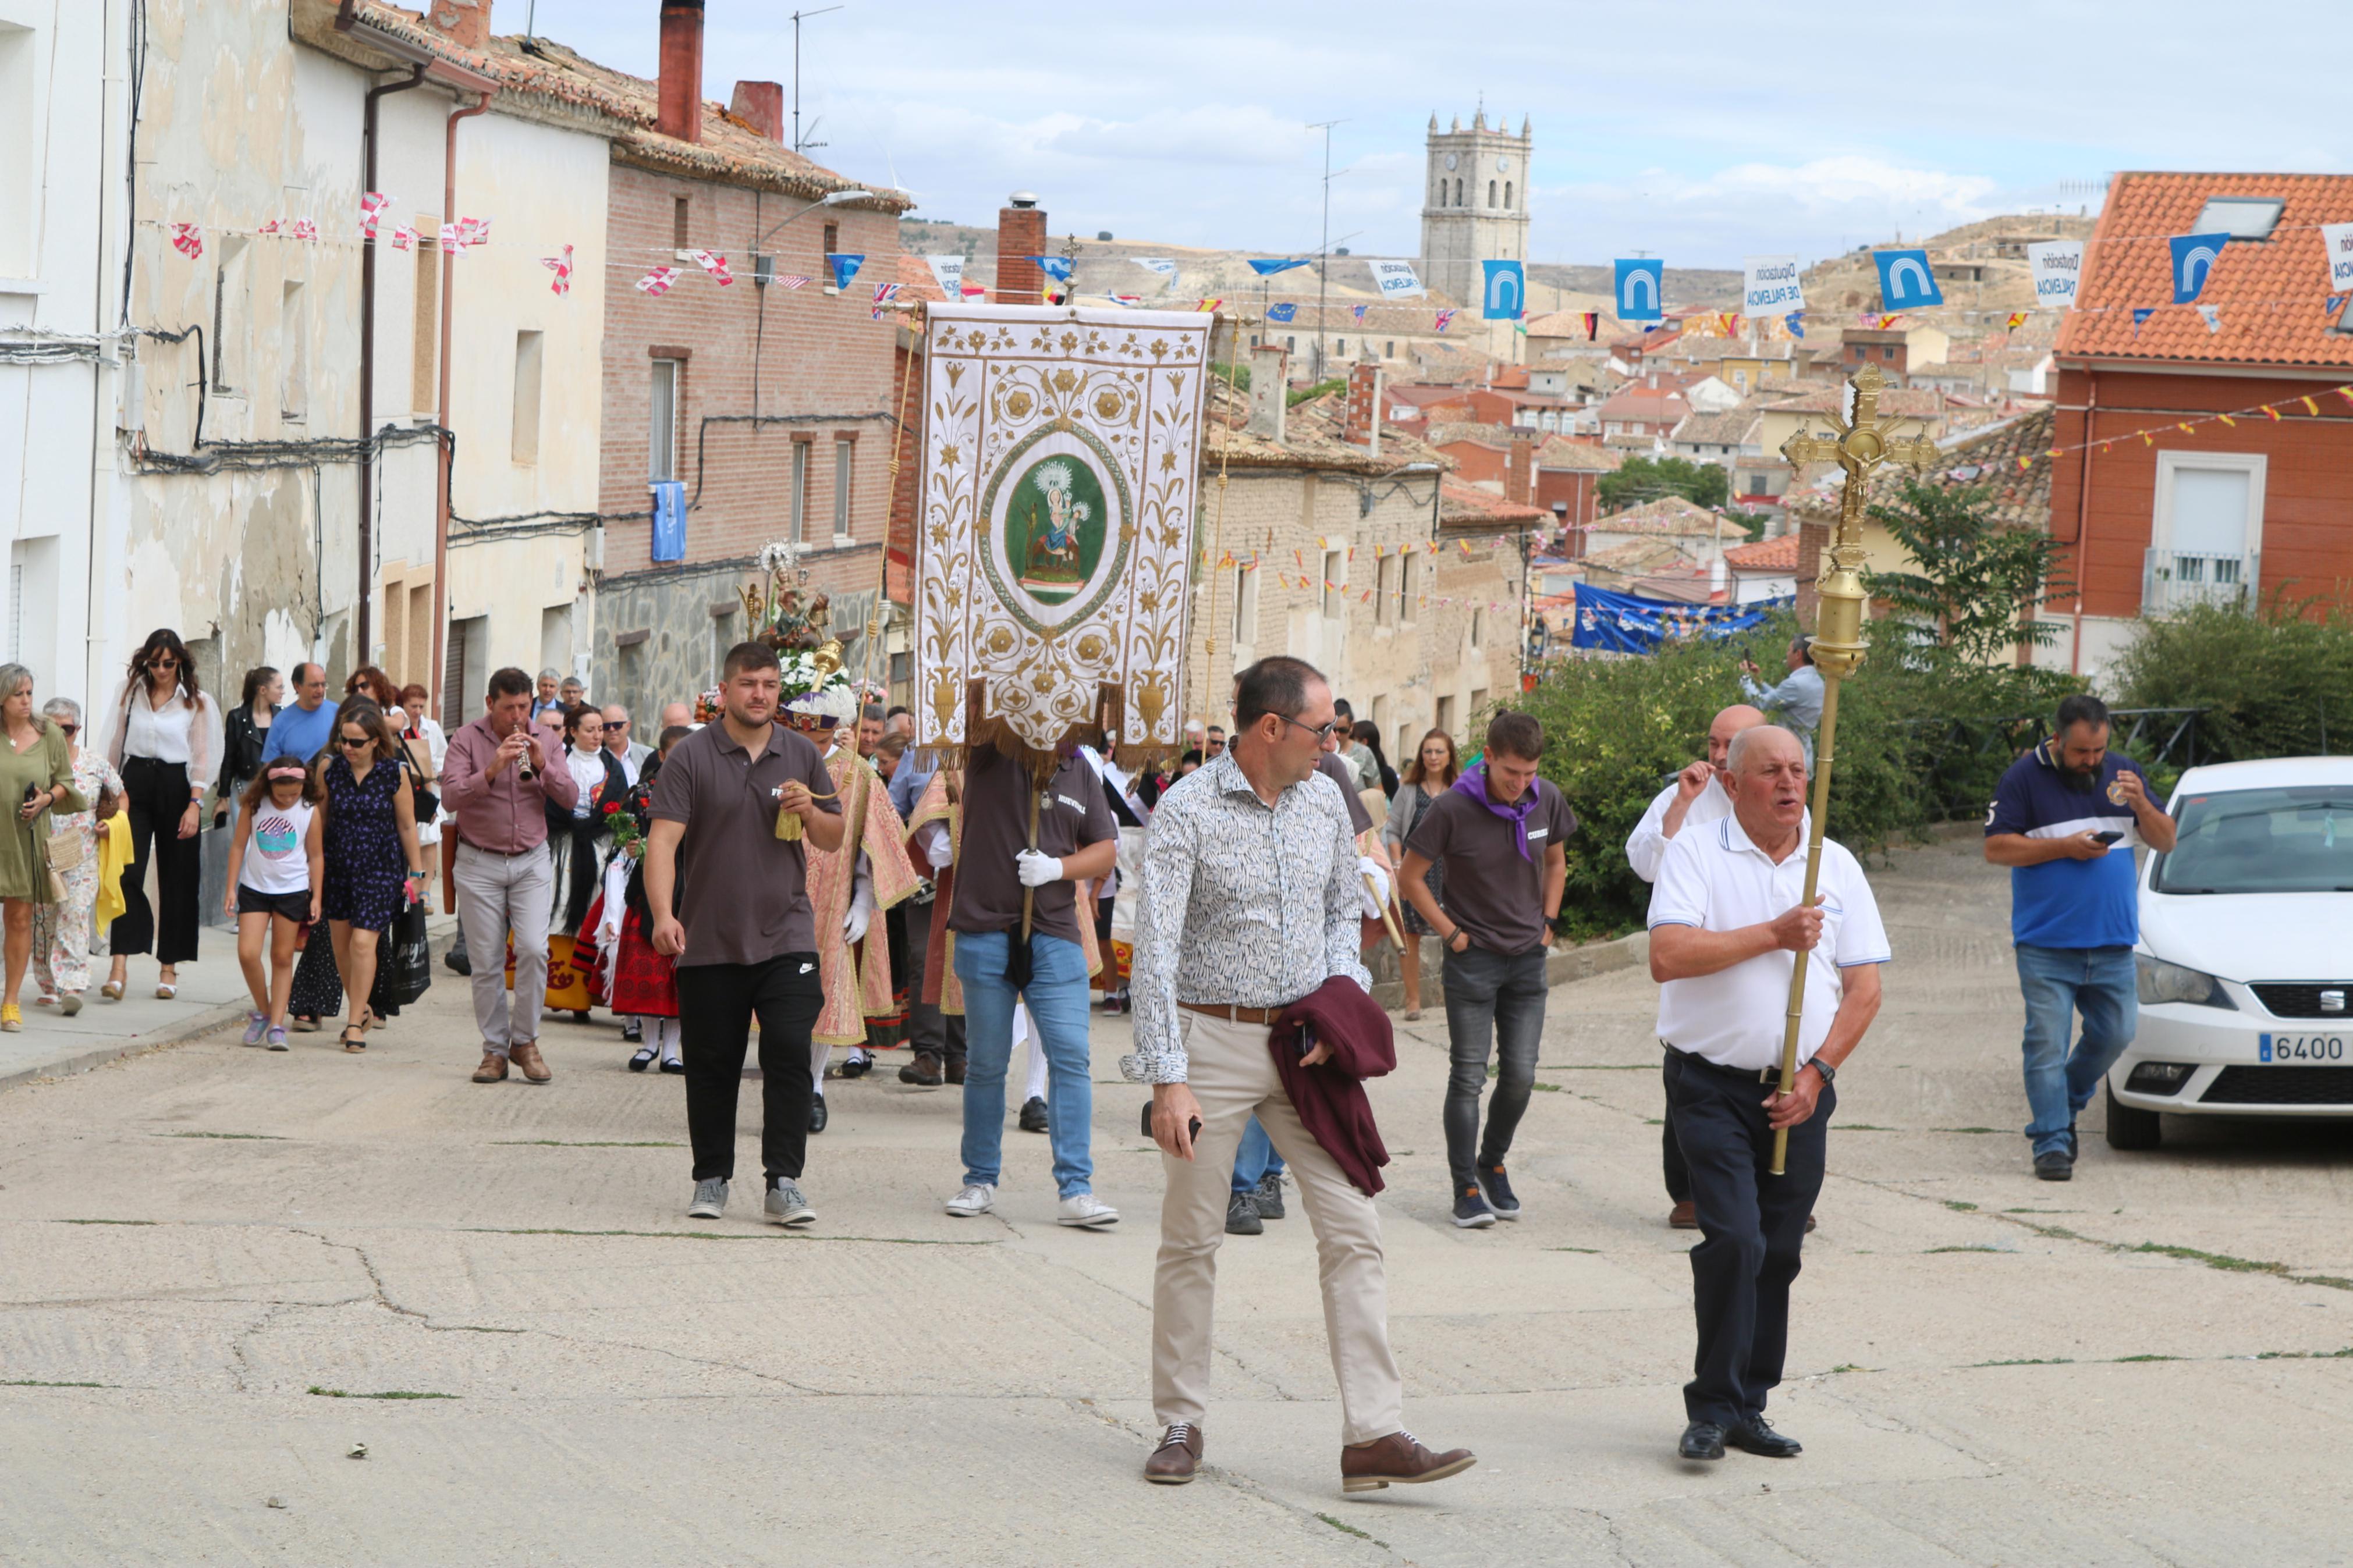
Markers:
1057,268
1906,281
669,520
2194,255
2335,303
1267,268
1639,283
1506,296
1796,321
2140,315
1283,312
845,267
1628,622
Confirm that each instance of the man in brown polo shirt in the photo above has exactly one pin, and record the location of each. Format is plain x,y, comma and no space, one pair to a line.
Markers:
1077,839
1499,835
729,902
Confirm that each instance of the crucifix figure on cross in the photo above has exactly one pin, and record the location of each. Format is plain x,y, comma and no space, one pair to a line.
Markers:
1858,446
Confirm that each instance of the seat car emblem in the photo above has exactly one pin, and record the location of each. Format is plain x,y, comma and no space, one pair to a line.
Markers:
2332,1001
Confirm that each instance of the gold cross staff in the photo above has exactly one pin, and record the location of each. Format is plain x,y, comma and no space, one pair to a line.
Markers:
1858,448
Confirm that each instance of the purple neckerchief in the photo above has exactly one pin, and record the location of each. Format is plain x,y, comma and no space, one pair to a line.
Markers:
1474,783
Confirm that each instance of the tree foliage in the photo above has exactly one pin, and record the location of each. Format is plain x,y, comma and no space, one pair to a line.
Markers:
2278,684
1648,478
1973,579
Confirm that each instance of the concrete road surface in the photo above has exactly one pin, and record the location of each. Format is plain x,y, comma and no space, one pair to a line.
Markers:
216,1263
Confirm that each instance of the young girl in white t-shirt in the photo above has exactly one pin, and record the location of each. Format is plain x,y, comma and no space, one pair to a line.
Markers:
276,867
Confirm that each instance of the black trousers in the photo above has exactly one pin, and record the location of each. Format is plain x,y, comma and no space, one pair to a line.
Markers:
928,1028
1751,1223
1671,1154
716,1004
155,794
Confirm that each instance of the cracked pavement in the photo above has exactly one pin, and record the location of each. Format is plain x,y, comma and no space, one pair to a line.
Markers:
2142,1366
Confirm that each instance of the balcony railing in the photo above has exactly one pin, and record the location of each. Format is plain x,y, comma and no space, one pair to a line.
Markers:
2177,579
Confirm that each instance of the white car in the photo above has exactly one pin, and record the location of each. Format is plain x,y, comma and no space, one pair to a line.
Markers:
2245,953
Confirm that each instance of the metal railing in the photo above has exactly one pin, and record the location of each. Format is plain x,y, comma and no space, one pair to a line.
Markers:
1959,760
2177,579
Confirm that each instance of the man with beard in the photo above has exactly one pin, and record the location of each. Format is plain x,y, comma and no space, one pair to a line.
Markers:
2065,820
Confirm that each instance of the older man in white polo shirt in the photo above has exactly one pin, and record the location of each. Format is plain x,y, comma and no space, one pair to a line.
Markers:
1726,921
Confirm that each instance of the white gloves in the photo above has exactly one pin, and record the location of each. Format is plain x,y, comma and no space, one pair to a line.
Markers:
1035,870
937,847
1376,889
861,910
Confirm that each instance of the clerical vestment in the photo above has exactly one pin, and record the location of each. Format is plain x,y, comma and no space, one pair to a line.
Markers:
858,983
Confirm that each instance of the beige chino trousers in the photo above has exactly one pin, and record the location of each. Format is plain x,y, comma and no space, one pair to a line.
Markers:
1232,1074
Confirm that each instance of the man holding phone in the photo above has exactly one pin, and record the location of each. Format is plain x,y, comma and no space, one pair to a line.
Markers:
1251,900
2058,820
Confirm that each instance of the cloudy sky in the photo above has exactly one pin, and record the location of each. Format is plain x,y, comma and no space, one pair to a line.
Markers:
1690,129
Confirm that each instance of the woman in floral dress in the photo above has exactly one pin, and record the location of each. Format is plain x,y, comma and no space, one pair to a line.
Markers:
62,937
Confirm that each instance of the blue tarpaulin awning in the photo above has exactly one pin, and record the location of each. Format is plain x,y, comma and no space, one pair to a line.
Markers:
1628,622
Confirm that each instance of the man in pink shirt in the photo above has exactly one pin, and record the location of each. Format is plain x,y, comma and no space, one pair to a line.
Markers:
497,783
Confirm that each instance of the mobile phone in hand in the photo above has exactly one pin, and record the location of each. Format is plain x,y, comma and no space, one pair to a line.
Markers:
1192,1124
2109,838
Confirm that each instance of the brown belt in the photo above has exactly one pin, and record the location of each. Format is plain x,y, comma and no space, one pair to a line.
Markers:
1230,1011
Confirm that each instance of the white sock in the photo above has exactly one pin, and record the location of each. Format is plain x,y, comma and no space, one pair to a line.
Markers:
666,1036
819,1053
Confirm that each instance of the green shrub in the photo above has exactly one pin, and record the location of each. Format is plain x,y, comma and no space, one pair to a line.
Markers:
2276,685
1918,742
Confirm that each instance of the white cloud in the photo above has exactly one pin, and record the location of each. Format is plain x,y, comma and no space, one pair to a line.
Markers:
1210,134
1712,219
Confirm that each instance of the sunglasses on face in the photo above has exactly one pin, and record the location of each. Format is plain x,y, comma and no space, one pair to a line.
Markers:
351,744
1321,732
70,729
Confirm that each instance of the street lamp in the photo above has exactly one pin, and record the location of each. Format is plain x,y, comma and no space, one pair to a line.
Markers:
764,265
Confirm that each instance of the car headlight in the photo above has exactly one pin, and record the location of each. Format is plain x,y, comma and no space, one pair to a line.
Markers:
2159,981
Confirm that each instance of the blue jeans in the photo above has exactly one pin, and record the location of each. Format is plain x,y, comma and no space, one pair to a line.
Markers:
1057,994
1494,1006
2058,983
1255,1159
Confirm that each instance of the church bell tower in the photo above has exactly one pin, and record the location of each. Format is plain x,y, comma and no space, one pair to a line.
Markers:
1475,204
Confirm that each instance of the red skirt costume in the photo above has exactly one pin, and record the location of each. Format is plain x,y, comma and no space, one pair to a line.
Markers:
631,977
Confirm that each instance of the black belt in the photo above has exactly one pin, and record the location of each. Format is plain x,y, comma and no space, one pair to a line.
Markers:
1771,1075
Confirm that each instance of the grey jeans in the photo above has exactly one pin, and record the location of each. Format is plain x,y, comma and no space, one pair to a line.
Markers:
1494,1002
498,894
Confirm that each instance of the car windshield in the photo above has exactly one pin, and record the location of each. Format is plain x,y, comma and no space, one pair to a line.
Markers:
2297,839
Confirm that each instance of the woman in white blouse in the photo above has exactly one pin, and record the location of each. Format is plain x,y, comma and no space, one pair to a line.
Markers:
166,742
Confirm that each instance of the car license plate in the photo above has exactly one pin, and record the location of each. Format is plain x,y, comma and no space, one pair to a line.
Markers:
2300,1048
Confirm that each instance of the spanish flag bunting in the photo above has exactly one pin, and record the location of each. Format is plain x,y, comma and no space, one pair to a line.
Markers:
1322,542
1227,561
2346,393
2144,439
2017,318
2185,427
1376,550
2309,405
2227,419
1209,304
1465,545
1297,559
2270,414
2025,464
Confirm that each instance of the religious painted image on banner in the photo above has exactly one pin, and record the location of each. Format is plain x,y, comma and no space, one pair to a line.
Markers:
1054,529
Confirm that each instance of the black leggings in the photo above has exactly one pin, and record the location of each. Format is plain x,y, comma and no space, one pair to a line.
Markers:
156,794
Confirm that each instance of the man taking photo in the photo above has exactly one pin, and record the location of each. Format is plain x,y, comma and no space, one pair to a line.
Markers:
2064,819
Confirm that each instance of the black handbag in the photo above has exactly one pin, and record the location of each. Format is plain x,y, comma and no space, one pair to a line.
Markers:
403,967
426,804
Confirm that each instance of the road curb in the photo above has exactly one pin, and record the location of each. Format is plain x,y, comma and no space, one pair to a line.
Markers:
213,1019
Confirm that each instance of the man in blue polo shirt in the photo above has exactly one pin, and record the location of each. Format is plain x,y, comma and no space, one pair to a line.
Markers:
2065,819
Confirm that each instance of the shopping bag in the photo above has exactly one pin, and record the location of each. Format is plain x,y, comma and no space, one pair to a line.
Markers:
404,963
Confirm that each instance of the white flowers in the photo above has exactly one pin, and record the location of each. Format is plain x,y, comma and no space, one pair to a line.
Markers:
781,559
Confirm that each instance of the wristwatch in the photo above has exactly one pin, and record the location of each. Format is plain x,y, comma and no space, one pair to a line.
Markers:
1830,1073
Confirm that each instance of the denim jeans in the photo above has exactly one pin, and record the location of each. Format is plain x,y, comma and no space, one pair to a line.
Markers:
1255,1159
1057,994
1492,1003
2058,983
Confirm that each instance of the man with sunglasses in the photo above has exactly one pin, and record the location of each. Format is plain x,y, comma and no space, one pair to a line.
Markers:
1251,902
624,745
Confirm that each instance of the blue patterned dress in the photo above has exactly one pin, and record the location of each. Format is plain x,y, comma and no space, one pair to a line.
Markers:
366,867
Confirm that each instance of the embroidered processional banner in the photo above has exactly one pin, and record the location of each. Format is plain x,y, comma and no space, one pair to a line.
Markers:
1055,525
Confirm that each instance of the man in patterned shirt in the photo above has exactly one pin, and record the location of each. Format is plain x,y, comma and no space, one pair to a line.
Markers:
1250,901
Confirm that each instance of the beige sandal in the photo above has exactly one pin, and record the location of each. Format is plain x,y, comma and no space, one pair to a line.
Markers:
165,991
111,991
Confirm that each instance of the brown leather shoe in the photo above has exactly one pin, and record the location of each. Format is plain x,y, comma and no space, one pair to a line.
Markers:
953,1070
526,1057
1398,1457
493,1068
1179,1458
923,1072
1684,1216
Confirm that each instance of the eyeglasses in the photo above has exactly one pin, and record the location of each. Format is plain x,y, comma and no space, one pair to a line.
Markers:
164,661
1321,733
350,745
70,729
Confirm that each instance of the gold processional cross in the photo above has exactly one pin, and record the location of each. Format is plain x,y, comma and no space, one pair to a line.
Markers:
1858,448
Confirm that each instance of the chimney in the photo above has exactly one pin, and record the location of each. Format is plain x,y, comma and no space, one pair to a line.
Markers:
1360,418
465,22
1519,469
1269,391
681,112
1020,235
762,104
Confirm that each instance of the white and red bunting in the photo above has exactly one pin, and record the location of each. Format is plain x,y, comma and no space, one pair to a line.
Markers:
474,230
371,205
659,280
453,239
714,264
188,239
268,226
562,266
303,228
791,280
404,236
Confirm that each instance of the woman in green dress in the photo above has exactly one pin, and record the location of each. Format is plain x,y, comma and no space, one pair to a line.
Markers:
36,777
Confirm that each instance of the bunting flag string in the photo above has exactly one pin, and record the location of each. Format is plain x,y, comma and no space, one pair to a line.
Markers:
658,282
188,239
714,264
883,294
371,205
562,266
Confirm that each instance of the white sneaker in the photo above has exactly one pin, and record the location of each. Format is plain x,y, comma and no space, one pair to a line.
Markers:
1087,1210
975,1199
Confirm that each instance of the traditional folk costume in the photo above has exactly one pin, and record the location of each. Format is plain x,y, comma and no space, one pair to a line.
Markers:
870,865
615,953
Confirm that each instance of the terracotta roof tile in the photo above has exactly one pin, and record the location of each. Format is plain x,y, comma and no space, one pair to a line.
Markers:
1766,555
1465,505
1581,457
2271,294
1669,516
